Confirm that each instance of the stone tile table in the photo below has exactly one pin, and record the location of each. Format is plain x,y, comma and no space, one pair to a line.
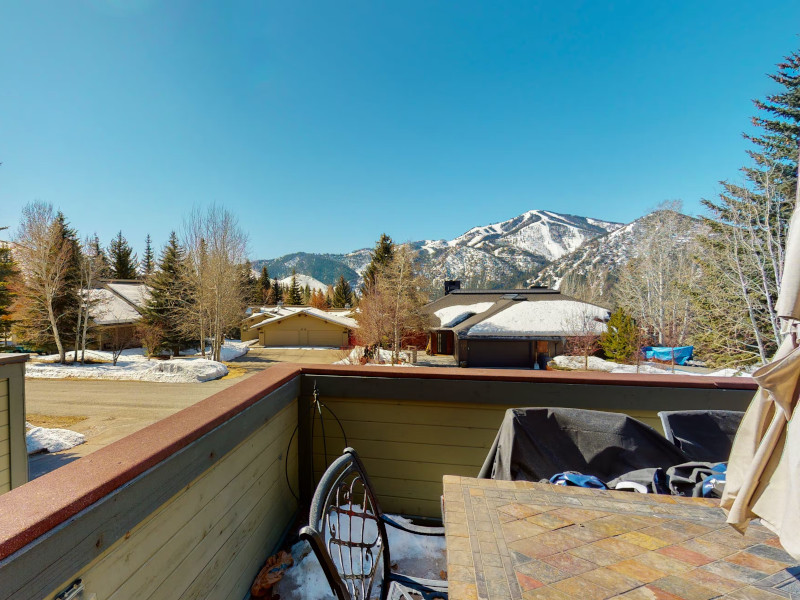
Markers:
527,541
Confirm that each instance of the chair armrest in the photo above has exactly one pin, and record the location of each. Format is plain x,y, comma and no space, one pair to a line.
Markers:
411,528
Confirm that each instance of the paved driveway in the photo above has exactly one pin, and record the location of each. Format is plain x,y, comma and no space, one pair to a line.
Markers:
115,409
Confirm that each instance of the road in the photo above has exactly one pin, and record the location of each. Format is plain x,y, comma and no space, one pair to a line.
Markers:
114,409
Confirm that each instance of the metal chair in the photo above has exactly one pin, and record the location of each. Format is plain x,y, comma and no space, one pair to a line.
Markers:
347,532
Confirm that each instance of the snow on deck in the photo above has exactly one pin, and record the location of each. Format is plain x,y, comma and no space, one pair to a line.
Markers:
548,318
451,315
416,555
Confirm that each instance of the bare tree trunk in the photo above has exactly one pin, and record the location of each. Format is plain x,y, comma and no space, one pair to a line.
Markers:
61,353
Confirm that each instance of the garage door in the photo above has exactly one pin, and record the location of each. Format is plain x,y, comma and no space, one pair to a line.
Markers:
282,338
510,354
325,338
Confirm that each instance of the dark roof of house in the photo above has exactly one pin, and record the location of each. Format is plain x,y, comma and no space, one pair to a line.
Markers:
475,296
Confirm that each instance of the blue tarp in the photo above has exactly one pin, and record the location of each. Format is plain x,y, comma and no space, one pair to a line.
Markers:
680,353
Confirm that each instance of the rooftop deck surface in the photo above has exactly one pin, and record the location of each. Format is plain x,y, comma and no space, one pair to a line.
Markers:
526,540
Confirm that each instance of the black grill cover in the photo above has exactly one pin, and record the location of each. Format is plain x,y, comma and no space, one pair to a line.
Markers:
536,443
704,435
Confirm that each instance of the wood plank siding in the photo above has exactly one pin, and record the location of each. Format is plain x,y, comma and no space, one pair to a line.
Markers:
210,539
5,446
408,444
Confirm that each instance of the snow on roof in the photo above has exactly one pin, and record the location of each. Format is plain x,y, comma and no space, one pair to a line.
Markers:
110,309
450,316
548,318
136,293
284,312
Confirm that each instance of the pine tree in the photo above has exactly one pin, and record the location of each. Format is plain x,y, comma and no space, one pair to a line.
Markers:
123,260
264,284
742,255
67,304
102,257
620,340
306,294
148,261
342,294
295,295
167,294
250,285
8,272
381,256
275,293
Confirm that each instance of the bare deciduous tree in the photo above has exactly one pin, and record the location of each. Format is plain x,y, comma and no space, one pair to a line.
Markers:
91,266
655,286
43,256
585,329
216,249
392,307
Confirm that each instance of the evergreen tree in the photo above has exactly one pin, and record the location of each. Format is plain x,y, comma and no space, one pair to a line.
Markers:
67,304
381,256
148,261
167,294
123,260
8,271
250,285
342,294
306,294
742,256
295,294
620,340
102,258
264,284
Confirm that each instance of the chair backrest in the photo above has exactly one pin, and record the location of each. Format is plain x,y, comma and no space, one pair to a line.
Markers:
345,529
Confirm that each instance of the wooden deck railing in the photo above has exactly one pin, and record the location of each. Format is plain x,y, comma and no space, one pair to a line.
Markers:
191,506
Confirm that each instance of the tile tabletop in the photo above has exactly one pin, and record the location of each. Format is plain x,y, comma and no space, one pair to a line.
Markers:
522,540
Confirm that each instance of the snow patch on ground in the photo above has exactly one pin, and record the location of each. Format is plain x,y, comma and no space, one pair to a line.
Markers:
417,555
384,358
39,439
598,364
230,350
132,366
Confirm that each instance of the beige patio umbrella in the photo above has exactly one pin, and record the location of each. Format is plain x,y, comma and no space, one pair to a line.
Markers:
763,478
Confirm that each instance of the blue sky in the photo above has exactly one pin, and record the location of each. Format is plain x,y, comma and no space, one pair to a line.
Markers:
322,124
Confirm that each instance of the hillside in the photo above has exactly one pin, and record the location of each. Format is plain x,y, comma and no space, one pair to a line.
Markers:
597,262
503,254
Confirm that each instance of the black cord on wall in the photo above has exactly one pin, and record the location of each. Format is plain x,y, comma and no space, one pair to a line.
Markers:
316,411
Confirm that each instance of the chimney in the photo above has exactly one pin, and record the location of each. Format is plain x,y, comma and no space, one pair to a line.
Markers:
451,285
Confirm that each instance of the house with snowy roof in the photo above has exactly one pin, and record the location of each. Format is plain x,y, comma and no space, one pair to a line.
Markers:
116,308
508,328
298,326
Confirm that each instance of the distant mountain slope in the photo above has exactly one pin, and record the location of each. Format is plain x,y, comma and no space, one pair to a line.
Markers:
326,268
597,262
501,254
303,281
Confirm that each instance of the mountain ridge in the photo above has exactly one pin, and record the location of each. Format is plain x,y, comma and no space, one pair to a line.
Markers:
502,254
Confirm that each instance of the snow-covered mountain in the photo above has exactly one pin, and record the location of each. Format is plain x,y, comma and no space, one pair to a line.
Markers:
303,281
508,252
597,262
500,254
